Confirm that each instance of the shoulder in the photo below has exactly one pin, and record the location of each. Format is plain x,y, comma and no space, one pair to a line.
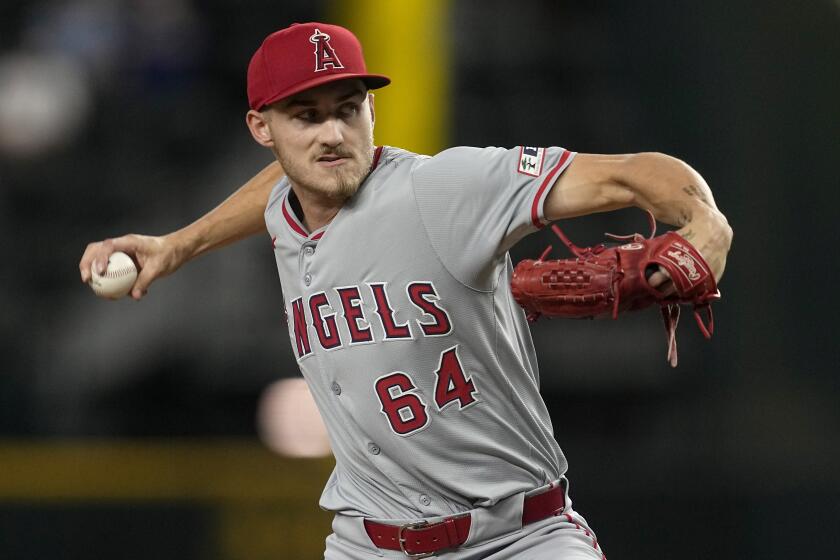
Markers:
461,163
455,155
464,155
387,155
278,192
389,160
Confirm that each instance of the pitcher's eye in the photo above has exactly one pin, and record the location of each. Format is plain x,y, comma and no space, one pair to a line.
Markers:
308,116
349,110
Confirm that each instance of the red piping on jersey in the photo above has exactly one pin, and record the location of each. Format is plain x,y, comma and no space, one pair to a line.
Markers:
376,155
587,533
292,224
535,207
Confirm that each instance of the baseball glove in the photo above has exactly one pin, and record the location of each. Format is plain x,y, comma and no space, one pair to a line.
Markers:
603,281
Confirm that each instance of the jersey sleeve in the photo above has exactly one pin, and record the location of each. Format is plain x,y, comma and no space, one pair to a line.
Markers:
476,203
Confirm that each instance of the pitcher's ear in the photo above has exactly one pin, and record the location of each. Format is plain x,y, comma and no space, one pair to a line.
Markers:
257,122
372,110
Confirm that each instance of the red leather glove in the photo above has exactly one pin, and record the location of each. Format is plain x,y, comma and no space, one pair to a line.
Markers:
603,281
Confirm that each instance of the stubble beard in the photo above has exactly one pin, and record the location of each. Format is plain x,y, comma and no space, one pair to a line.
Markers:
345,180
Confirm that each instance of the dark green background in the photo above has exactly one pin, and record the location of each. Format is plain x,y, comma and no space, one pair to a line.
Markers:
734,454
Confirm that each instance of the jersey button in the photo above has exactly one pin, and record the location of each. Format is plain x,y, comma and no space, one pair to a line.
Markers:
336,388
308,251
374,449
307,279
425,500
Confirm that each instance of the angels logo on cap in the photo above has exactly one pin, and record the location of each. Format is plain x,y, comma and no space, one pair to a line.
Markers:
324,53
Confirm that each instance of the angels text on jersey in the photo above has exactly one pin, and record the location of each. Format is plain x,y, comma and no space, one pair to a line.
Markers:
337,318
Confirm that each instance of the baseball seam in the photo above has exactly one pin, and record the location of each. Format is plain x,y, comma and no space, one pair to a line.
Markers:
118,273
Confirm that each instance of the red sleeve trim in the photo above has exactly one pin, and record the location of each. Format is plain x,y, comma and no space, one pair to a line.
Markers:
535,206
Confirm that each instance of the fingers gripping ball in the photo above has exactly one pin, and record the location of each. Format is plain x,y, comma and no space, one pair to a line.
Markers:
118,279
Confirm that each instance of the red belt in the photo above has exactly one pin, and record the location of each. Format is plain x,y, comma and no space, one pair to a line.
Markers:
421,539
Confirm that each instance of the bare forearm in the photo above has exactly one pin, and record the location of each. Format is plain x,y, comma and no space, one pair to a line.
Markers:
678,195
668,187
238,217
674,192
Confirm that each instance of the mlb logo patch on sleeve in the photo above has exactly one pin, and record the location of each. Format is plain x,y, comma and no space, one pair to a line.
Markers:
531,160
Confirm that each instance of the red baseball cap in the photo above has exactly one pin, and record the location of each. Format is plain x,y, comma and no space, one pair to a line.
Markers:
302,56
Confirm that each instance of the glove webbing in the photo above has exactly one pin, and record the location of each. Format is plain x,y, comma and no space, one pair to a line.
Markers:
670,311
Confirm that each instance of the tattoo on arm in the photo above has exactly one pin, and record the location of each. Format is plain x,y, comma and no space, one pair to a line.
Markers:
686,216
693,190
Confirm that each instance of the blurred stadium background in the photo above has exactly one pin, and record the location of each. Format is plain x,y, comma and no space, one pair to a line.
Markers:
154,430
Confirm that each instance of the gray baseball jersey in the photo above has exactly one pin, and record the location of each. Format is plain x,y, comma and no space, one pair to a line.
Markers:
403,324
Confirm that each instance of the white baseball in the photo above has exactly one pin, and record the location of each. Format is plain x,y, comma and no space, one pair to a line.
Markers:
118,279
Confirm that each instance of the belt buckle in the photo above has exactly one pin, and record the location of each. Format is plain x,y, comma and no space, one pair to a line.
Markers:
401,539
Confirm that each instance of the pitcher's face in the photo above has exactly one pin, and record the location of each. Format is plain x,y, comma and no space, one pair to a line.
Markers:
323,137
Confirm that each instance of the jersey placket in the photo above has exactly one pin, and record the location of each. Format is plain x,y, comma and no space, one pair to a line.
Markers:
327,373
309,284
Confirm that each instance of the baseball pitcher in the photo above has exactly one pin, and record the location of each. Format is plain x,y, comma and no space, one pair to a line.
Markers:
396,279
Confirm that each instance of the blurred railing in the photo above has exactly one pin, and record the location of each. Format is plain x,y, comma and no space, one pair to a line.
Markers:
260,505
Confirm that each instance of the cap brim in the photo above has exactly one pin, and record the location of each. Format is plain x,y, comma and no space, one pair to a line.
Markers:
372,81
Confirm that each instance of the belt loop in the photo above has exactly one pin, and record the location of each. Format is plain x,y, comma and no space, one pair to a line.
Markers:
451,530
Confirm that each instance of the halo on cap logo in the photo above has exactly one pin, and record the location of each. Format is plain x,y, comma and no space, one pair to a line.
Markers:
324,53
